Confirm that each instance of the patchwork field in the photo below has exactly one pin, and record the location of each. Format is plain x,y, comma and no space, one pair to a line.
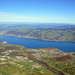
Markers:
14,61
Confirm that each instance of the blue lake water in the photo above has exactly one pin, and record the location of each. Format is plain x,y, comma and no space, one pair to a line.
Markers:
35,43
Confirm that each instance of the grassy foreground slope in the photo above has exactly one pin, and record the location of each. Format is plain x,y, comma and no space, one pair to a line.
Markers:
18,60
14,61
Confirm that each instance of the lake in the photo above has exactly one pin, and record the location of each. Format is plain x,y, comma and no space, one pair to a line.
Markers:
35,43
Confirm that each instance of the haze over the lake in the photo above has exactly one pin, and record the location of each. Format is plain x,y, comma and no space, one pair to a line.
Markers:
46,11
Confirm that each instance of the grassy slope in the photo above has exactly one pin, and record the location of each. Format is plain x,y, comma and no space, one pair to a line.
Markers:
12,61
17,65
58,33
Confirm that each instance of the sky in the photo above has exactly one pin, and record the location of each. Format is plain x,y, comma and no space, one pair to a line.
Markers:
46,11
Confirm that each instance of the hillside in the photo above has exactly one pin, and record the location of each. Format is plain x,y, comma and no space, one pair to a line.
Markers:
18,60
44,32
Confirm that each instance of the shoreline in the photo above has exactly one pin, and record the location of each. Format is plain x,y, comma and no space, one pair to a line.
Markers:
54,44
36,38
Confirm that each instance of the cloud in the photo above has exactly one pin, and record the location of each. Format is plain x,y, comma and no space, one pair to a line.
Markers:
7,17
10,17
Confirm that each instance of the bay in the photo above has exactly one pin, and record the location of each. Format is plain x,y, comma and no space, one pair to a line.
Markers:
36,43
